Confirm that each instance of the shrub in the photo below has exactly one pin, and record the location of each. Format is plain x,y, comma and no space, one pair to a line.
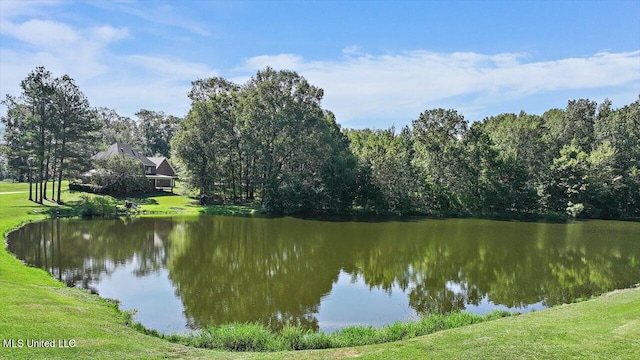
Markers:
90,188
574,209
95,206
121,174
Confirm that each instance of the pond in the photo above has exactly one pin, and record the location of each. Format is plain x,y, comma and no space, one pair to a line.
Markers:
184,273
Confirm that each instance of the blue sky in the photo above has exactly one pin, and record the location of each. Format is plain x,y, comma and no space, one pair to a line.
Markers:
380,63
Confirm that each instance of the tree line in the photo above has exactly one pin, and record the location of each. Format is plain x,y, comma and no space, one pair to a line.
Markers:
270,141
583,160
150,133
45,129
51,132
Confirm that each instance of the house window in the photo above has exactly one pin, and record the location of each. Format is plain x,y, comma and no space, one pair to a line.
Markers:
149,169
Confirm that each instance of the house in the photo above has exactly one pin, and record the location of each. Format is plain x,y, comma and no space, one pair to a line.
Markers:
157,169
164,177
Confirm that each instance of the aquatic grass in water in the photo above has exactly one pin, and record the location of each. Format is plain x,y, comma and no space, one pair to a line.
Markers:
293,337
256,337
236,337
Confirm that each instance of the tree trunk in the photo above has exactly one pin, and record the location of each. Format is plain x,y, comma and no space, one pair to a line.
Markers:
233,183
60,170
203,176
35,183
41,156
240,171
53,182
30,183
46,172
40,180
30,186
60,180
246,182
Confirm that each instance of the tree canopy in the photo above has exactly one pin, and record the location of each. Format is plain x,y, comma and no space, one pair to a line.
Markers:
270,141
46,128
51,132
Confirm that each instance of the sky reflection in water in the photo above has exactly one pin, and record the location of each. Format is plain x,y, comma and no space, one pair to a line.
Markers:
189,272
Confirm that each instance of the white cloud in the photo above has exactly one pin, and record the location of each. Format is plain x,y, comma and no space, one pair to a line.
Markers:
41,33
107,34
128,96
162,14
12,8
173,68
124,82
59,47
282,61
363,89
400,86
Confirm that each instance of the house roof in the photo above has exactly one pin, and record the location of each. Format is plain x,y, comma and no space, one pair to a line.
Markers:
157,160
120,148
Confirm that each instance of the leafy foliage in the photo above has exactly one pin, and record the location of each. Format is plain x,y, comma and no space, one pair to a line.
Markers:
269,138
156,129
95,206
121,174
270,141
115,128
45,127
579,161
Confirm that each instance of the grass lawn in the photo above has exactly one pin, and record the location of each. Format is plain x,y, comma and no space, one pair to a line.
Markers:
34,306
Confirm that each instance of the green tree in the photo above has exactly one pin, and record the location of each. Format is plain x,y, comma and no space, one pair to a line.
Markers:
76,127
580,116
155,131
390,181
523,139
121,174
281,115
114,128
269,137
208,143
604,180
441,157
38,90
569,183
339,171
573,124
620,128
47,125
203,89
4,173
18,141
195,149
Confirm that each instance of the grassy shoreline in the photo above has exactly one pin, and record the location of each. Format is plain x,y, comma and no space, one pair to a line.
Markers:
35,306
257,337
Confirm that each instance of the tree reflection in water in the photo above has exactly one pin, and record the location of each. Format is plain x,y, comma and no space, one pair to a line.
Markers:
277,271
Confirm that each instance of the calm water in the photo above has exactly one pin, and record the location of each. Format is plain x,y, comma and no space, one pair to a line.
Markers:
188,272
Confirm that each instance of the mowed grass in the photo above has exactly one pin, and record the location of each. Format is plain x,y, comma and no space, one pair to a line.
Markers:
34,306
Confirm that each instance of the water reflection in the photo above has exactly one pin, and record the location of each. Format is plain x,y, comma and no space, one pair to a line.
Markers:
324,275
